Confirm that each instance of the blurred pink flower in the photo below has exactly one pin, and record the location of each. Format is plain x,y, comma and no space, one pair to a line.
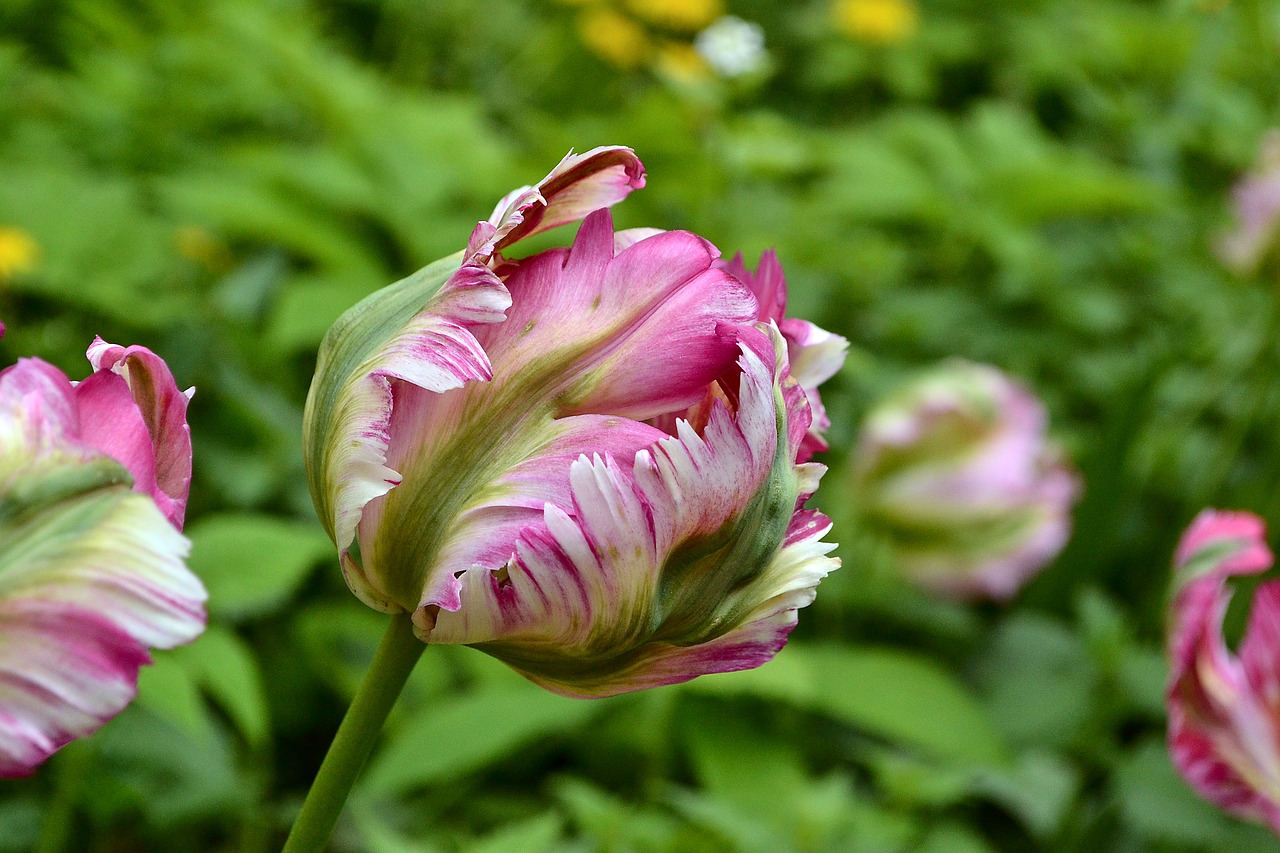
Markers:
1257,211
1224,710
955,470
588,463
93,481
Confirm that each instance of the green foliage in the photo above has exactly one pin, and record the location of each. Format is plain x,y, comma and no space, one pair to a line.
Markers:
1035,185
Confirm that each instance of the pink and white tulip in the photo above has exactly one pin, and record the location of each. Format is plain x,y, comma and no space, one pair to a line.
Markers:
955,471
589,463
1224,709
93,481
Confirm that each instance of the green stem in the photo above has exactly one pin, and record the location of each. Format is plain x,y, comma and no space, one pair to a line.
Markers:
360,728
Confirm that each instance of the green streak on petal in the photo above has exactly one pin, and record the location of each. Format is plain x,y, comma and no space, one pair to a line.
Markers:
53,479
708,585
355,336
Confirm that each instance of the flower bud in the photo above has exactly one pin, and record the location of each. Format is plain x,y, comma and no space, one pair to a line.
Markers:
93,481
955,471
1256,205
587,462
1224,721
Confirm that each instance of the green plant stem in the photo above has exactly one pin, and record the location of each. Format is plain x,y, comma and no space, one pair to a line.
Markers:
392,663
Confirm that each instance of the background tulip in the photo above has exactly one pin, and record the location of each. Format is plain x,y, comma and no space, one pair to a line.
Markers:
954,469
1224,709
589,463
91,573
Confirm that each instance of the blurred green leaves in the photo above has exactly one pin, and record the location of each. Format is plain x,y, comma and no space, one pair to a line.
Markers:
1034,185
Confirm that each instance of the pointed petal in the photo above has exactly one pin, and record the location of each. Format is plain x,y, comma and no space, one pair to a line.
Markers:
660,573
579,184
657,309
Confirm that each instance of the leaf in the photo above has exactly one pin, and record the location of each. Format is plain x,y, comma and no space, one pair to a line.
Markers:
253,564
169,689
905,697
535,835
1159,806
224,665
469,732
887,692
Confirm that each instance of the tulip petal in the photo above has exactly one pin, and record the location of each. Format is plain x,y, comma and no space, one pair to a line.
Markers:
382,342
475,523
88,583
663,570
1224,712
570,346
578,185
660,299
814,353
163,409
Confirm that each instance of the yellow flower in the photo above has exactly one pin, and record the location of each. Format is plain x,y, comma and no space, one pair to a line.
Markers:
18,252
196,244
682,63
684,15
614,38
878,21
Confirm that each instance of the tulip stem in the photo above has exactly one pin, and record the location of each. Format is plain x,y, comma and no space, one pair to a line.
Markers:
392,663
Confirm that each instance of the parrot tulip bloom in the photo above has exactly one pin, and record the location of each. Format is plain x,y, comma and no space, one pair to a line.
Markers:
955,470
589,463
1224,710
92,573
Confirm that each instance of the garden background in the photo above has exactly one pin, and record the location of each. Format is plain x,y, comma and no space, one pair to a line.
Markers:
1036,185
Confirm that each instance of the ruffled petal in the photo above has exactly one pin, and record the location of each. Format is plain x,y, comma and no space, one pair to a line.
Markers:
673,566
578,185
90,579
814,353
1224,712
435,351
587,333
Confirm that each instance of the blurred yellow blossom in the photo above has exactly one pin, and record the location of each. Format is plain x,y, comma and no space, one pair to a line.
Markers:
878,21
614,37
684,15
196,244
18,251
682,63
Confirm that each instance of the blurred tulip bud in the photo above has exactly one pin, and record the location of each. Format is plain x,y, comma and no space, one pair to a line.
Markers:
1224,710
1256,204
955,471
93,482
586,463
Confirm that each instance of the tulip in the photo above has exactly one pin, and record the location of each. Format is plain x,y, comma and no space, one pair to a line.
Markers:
1256,205
1224,709
955,471
93,482
590,463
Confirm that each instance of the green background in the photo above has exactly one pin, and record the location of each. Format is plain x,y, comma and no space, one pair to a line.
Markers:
1035,185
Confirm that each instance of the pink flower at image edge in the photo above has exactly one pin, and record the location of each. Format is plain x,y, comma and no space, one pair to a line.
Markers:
1224,709
106,463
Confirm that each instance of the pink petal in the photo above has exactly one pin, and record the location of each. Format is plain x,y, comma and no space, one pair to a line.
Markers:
615,324
88,584
578,185
1224,712
114,426
163,409
435,352
608,597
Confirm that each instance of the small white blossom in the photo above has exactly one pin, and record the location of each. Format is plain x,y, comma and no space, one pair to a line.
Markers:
732,46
